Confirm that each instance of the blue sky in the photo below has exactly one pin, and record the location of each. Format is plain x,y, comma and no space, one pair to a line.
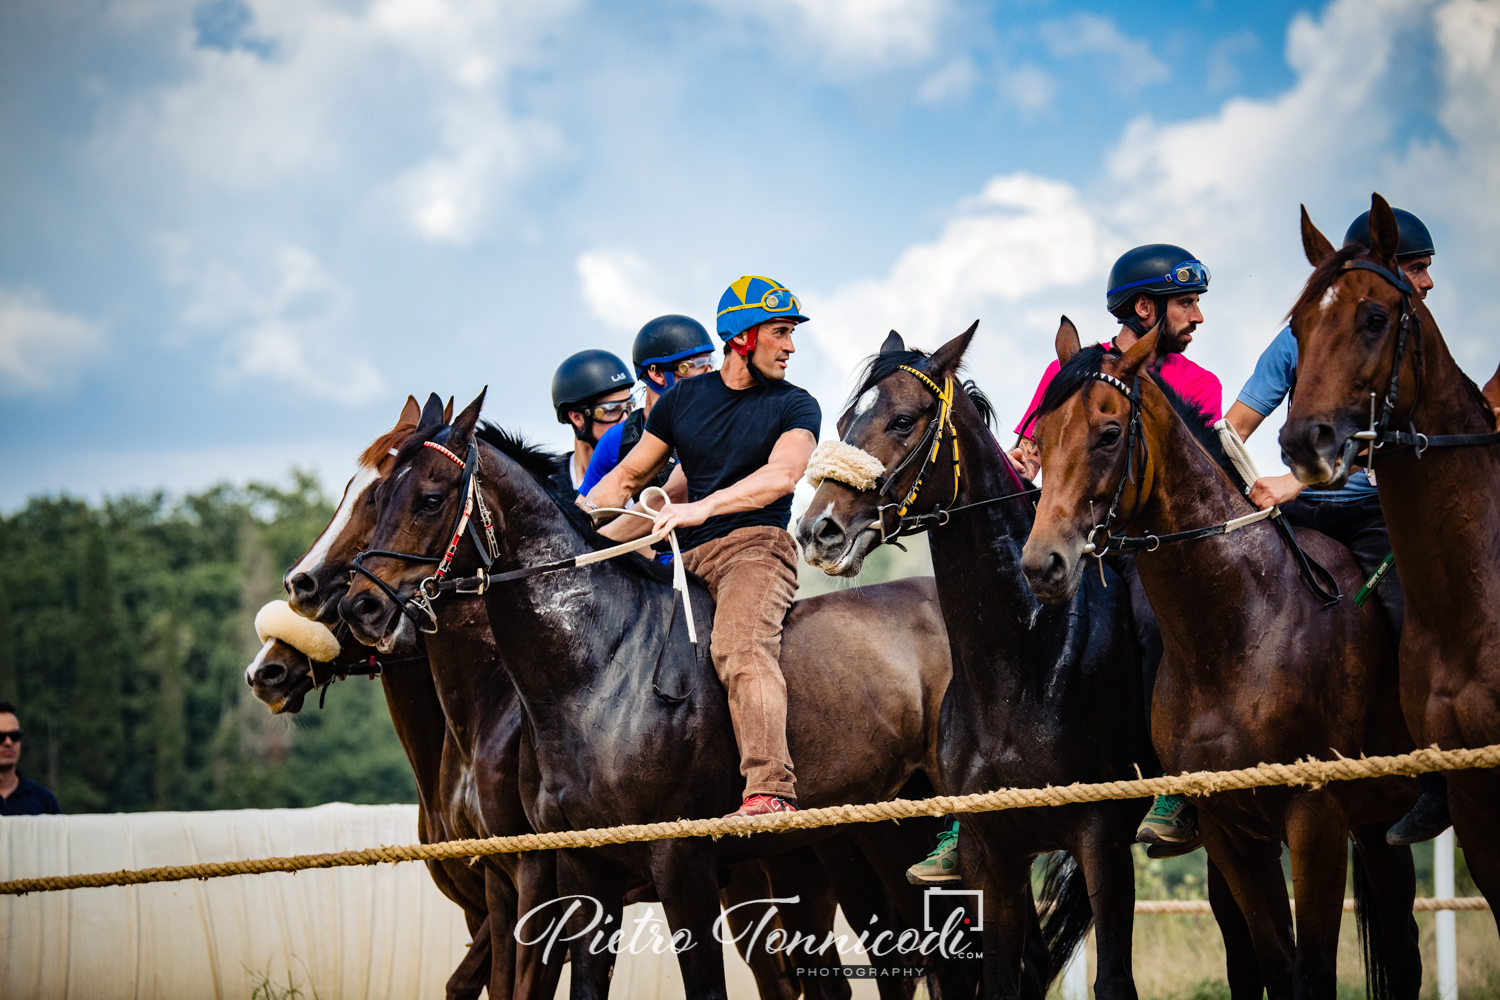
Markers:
237,233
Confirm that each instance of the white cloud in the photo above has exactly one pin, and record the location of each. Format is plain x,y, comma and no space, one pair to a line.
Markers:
314,84
1029,88
291,326
1227,187
852,36
1088,34
951,83
620,289
41,348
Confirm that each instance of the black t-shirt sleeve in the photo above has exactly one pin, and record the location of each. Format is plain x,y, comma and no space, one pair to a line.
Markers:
659,424
801,411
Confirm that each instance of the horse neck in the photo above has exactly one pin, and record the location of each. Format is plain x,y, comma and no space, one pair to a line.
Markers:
1439,509
418,718
1187,490
976,556
554,632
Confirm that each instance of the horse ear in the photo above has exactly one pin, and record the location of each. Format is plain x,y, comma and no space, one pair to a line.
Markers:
465,422
893,344
946,359
1385,234
1067,340
448,411
432,413
410,413
1140,352
1314,243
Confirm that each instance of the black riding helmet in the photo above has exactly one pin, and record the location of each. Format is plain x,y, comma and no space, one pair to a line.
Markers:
667,339
1156,269
585,376
1415,240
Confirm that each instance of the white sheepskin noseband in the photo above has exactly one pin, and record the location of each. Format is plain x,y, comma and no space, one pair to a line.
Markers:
313,639
844,463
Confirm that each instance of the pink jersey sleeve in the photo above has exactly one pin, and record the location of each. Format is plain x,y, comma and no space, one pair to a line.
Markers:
1023,429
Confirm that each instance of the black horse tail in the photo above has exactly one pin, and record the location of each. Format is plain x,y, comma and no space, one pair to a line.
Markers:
1066,915
1378,985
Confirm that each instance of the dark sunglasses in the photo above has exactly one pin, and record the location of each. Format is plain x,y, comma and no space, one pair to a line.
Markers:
10,736
609,413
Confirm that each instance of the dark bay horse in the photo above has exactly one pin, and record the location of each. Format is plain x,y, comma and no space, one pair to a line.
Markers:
468,772
1255,667
1361,338
1041,694
626,722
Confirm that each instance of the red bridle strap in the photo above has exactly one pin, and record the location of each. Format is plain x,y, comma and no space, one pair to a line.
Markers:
444,451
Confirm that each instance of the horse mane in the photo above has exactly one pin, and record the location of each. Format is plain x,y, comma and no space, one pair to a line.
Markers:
881,366
383,445
540,465
1088,362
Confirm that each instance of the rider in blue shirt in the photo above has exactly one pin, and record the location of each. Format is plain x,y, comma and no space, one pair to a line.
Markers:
1351,514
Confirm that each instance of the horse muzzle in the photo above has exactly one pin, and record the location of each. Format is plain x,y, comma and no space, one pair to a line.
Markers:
1051,573
828,543
1317,453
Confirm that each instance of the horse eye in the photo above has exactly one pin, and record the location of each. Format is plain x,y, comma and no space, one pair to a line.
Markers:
902,424
432,501
1109,437
1375,322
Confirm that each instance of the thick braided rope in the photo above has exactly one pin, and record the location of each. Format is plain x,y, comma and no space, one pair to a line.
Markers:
1304,772
1192,907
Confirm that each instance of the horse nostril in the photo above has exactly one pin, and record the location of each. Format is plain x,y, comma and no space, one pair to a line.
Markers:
365,607
1054,568
301,585
270,674
829,531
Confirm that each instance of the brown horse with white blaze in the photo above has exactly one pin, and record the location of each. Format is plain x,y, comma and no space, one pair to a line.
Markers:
1371,353
1255,667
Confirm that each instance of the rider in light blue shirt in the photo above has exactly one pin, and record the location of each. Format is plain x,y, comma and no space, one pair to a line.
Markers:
1351,515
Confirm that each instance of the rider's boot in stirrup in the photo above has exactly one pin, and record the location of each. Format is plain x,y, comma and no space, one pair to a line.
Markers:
1428,818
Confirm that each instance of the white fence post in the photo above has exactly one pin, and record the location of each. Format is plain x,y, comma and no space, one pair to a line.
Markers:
1447,938
1075,984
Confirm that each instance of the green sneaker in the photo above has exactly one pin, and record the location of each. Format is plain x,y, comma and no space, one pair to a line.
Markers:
941,866
1172,820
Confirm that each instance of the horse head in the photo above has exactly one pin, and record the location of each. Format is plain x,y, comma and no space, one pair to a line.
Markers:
317,582
416,508
884,466
1087,433
1352,321
295,657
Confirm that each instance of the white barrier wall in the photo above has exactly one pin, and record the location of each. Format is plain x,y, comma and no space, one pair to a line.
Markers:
370,932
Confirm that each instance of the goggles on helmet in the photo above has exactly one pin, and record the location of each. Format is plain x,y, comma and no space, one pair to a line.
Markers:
610,413
1188,274
686,367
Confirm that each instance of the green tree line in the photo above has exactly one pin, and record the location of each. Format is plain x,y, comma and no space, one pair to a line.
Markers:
125,630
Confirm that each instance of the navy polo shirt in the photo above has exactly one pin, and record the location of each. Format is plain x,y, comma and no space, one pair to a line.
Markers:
29,799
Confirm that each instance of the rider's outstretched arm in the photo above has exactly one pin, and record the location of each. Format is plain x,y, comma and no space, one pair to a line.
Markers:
634,471
764,486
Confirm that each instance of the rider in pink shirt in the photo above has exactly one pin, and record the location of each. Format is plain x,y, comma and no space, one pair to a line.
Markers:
1143,284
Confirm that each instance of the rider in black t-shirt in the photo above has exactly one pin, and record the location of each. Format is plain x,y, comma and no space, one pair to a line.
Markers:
743,436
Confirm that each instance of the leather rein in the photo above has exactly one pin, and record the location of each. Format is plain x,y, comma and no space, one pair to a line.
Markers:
1318,579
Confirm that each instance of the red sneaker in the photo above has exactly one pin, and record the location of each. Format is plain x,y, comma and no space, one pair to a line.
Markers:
762,805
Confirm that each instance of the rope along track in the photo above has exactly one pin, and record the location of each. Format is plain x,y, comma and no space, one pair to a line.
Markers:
1194,907
1304,772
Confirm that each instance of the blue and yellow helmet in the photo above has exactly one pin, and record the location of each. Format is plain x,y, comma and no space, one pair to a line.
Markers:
753,300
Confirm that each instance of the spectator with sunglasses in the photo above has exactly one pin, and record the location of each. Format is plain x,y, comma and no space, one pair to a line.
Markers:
667,349
19,796
590,388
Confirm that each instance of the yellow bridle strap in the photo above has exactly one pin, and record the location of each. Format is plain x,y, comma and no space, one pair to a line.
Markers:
944,396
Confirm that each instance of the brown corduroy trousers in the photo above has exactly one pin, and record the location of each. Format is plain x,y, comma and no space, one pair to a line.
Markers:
752,573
